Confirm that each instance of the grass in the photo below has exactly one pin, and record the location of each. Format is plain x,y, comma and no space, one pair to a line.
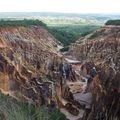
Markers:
14,110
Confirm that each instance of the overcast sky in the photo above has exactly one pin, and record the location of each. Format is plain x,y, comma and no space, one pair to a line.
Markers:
66,6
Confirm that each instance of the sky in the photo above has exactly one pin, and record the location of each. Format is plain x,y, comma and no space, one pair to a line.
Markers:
63,6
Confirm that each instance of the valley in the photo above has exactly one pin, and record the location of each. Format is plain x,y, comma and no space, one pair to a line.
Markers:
39,82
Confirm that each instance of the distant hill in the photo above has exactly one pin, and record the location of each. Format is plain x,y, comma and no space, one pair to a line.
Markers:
64,18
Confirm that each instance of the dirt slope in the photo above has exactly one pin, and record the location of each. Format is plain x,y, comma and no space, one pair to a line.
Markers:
102,49
23,55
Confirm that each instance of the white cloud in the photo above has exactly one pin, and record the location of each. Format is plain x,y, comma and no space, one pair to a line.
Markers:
75,6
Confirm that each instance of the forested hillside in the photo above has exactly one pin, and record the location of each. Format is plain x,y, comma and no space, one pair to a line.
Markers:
69,34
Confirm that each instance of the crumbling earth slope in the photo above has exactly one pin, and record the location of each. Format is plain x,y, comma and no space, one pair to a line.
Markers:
102,48
23,55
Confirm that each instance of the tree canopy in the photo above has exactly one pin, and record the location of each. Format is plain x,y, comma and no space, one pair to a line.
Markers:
113,22
25,22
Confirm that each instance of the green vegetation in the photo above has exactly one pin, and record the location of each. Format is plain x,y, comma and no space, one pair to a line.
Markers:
67,28
69,34
25,22
113,22
14,110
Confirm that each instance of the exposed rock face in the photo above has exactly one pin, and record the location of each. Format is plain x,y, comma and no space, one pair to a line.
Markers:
99,45
23,53
102,48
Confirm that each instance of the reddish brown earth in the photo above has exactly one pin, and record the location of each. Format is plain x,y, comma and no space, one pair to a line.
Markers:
102,49
23,55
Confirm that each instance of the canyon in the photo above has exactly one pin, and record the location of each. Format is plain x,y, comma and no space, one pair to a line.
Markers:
25,52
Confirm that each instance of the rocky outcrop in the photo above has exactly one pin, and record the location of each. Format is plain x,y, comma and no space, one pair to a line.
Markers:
23,55
100,44
102,50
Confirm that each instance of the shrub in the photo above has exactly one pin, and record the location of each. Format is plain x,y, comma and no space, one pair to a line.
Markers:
15,110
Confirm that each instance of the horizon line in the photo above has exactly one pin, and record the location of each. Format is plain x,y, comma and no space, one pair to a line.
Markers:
57,12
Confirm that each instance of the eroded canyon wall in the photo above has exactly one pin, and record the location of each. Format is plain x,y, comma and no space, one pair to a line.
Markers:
23,54
103,49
